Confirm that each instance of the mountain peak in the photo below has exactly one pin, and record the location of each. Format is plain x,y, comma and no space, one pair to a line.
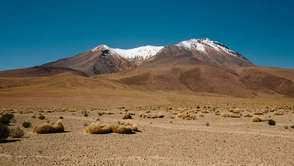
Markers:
102,46
205,44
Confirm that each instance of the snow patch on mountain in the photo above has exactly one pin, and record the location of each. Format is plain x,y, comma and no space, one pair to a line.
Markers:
144,51
102,46
201,44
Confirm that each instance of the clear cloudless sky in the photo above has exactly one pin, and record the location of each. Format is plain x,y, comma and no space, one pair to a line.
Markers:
34,32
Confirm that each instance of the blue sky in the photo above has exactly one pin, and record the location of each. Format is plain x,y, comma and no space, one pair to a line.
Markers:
34,32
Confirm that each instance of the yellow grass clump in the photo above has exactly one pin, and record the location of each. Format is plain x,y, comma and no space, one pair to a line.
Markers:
153,116
258,119
49,128
97,128
127,127
131,124
230,115
279,113
127,116
123,130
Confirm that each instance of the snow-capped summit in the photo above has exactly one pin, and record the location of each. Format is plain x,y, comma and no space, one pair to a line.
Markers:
102,46
204,44
144,52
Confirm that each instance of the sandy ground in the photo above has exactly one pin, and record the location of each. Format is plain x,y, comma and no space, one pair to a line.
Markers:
166,141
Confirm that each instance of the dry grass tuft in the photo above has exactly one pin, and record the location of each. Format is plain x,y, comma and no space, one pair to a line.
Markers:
279,113
123,130
16,132
127,116
127,127
49,128
256,119
258,113
97,128
131,124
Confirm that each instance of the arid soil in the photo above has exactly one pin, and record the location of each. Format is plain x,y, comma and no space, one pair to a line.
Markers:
209,140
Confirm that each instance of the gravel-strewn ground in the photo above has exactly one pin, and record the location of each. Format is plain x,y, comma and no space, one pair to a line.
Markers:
226,141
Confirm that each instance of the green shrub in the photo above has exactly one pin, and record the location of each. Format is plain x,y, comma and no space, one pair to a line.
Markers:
4,132
6,118
16,132
26,124
272,122
9,116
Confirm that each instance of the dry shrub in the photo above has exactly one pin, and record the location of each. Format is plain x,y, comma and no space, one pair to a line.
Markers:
127,116
131,124
271,122
179,115
279,113
123,130
4,131
258,113
248,116
201,115
41,117
235,111
153,116
259,119
230,116
16,132
174,112
26,124
49,128
204,111
159,115
97,128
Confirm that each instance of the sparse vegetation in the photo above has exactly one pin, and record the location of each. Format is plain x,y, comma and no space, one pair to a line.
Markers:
272,122
4,131
127,116
26,124
16,132
6,118
127,127
256,119
41,116
97,128
49,128
86,114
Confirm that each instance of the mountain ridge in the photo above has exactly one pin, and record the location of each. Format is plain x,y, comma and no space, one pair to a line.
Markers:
105,60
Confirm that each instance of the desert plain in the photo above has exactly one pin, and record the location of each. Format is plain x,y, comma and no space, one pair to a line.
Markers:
193,129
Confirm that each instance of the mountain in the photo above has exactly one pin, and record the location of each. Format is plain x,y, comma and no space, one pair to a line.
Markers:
192,66
201,51
99,60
